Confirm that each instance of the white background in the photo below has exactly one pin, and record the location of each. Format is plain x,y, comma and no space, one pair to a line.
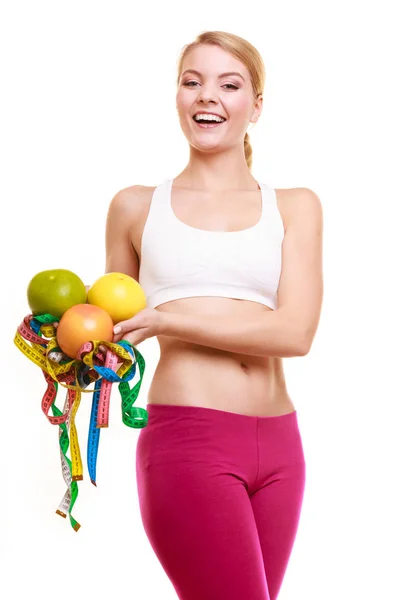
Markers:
87,108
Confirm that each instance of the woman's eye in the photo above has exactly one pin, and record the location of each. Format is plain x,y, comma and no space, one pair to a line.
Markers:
226,84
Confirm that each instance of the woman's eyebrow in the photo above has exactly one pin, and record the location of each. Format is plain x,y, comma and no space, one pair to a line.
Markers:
219,76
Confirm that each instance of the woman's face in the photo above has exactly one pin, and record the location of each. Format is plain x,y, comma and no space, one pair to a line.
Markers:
230,96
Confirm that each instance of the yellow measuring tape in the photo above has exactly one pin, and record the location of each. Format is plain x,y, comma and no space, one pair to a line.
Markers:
93,365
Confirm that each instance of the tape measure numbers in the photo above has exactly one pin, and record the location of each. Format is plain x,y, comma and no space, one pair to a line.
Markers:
36,339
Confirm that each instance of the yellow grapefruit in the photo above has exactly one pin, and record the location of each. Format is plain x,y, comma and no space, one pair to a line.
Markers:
80,324
54,291
118,294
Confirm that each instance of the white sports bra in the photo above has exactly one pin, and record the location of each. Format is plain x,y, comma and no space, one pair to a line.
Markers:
181,261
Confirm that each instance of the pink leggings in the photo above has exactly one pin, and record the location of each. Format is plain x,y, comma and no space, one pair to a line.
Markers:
220,497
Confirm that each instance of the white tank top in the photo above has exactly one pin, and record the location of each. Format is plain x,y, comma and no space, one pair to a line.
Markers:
181,261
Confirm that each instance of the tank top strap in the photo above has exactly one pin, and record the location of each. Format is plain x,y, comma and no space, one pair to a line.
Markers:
271,212
159,202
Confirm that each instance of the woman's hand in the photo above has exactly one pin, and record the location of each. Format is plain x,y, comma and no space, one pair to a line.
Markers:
145,324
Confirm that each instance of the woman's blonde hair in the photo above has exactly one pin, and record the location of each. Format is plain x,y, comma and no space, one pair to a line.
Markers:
243,51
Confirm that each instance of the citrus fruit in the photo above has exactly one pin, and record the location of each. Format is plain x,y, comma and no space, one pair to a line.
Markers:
83,323
54,291
119,294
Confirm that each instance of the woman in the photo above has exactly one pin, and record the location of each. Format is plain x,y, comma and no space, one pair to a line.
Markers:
232,271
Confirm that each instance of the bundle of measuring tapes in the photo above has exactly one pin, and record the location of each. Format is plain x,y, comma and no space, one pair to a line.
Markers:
97,363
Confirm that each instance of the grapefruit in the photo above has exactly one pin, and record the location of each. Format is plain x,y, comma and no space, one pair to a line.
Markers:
118,294
83,323
54,291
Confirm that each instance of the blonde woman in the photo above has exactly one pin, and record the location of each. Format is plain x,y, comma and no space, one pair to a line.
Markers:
232,271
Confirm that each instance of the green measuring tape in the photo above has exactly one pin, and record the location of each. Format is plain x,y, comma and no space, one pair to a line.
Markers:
36,339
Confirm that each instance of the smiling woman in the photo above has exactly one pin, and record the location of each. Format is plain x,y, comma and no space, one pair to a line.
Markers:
232,271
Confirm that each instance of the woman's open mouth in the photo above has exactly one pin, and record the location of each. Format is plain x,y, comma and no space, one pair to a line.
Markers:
208,124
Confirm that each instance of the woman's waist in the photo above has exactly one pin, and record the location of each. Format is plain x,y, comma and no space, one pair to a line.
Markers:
185,362
197,355
242,384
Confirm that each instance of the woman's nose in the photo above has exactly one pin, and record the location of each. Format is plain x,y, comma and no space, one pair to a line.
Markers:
208,94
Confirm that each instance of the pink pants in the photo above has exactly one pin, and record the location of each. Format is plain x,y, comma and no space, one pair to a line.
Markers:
220,497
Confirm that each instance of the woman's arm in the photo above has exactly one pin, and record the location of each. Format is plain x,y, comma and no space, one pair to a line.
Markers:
290,329
120,254
121,257
267,334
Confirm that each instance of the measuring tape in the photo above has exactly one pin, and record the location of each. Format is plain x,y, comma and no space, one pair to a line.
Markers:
92,366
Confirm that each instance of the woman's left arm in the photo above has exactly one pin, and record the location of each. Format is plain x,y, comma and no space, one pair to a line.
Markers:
287,331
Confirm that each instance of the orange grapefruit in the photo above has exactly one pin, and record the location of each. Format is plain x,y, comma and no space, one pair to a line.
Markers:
54,291
118,294
83,323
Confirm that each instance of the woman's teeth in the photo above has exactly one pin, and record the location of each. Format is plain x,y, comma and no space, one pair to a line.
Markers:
206,124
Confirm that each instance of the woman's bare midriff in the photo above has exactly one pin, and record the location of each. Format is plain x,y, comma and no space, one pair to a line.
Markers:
193,375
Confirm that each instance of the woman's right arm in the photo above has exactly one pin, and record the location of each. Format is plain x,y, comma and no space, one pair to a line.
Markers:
121,256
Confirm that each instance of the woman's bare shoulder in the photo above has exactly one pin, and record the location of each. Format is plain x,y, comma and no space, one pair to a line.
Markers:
134,193
291,200
132,199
